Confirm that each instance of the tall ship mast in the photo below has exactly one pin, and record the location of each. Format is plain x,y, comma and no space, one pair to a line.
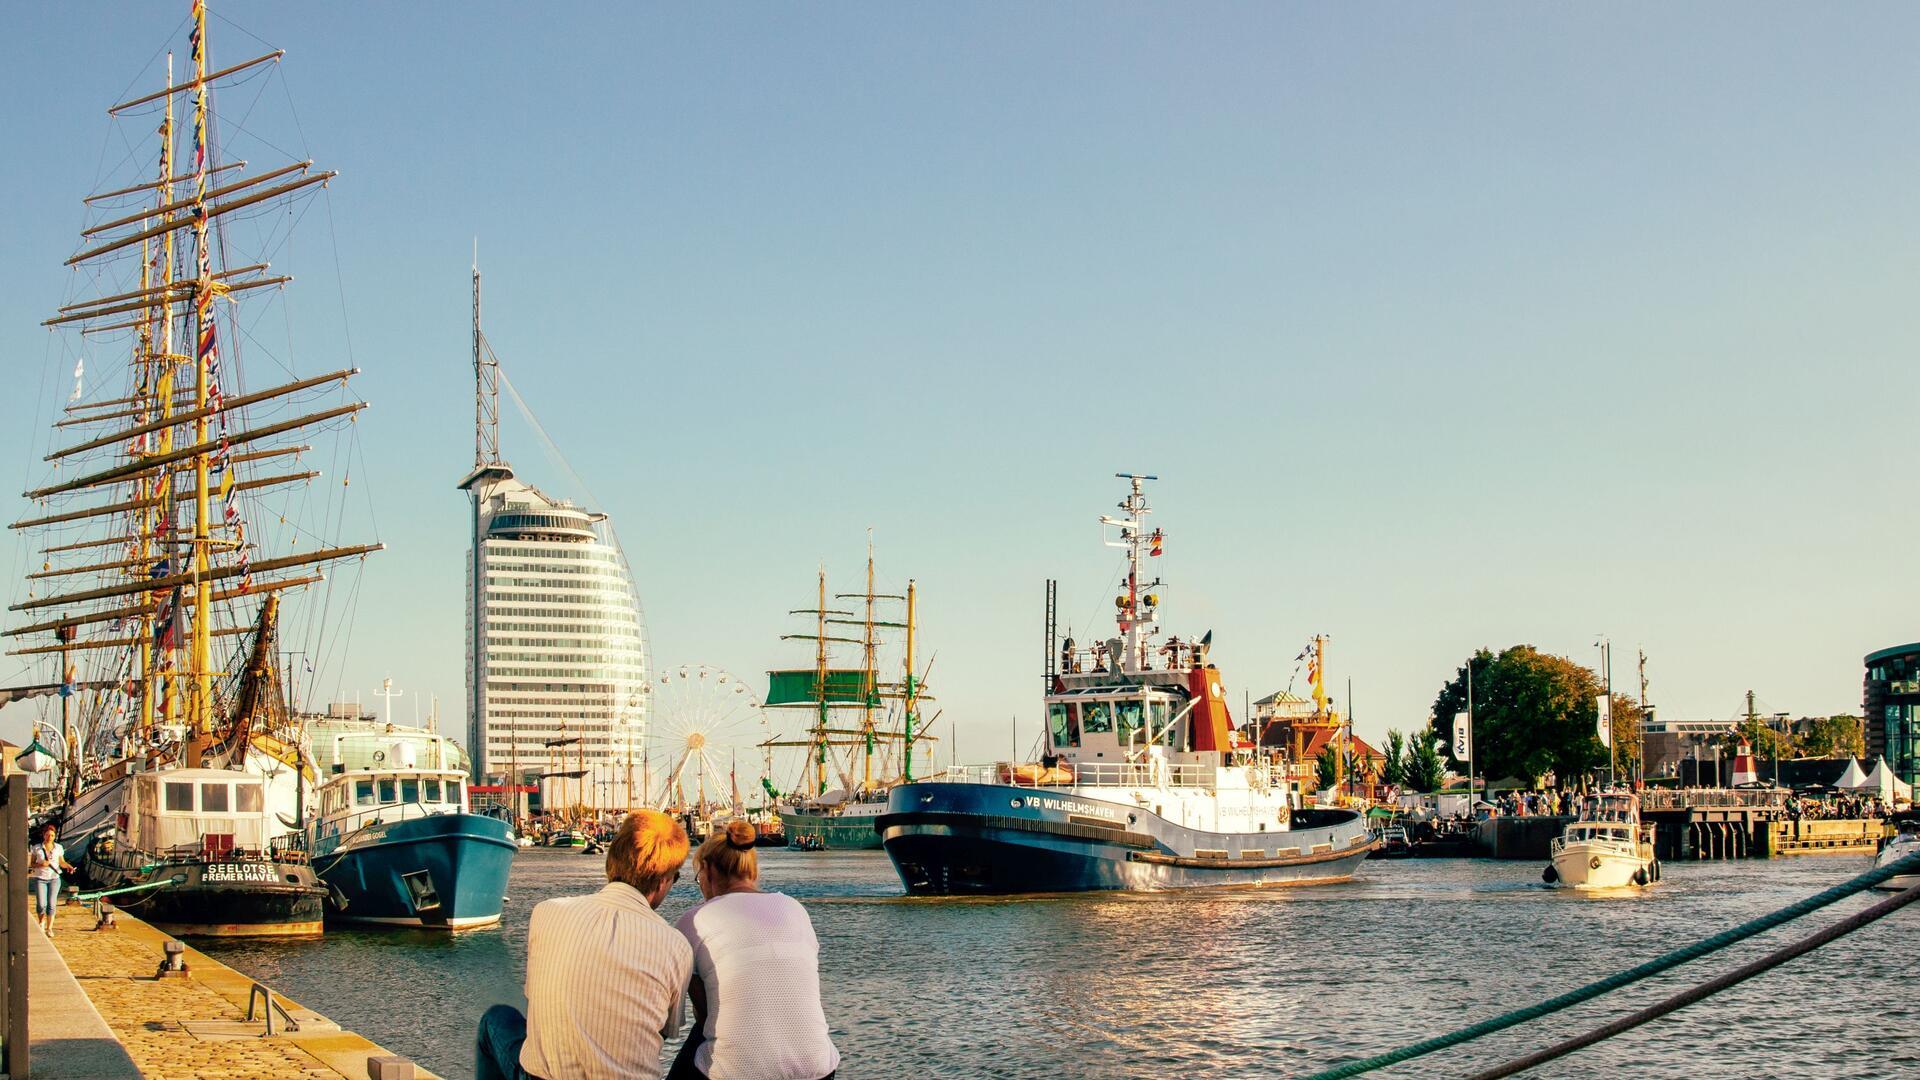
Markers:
170,529
863,724
1144,782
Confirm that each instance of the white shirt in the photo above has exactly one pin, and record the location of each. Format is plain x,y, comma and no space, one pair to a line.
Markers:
50,869
605,977
759,964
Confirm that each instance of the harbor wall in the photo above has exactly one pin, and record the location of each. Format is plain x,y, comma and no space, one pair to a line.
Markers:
1518,837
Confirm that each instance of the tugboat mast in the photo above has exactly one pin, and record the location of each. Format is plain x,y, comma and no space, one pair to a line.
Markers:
1136,612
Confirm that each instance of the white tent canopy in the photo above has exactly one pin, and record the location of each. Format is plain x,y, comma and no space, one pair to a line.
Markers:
1882,782
1853,779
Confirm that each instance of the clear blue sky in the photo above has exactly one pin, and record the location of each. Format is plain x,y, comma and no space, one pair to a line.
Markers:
1445,325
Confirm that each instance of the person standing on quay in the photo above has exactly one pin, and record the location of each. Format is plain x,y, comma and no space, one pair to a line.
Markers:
605,973
756,984
45,861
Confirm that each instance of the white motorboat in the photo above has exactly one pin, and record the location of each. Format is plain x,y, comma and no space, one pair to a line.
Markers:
1904,843
1604,848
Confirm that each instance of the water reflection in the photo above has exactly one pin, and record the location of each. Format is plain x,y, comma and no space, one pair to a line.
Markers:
1210,983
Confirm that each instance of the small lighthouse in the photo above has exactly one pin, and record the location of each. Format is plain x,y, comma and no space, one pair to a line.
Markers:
1744,771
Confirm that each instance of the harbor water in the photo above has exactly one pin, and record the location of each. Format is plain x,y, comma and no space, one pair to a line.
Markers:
1210,983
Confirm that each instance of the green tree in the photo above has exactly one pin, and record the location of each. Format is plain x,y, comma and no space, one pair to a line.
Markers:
1533,713
1834,736
1327,767
1424,769
1767,740
1394,772
1627,741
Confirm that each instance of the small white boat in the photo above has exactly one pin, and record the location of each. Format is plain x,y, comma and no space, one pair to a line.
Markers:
1904,843
1605,848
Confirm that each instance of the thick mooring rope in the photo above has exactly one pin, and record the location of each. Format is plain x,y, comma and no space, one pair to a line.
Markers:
1908,865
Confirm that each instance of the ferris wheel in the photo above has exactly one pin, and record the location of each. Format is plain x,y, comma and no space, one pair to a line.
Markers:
705,736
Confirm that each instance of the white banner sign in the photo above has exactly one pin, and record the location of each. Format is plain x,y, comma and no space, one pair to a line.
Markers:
1462,737
1605,707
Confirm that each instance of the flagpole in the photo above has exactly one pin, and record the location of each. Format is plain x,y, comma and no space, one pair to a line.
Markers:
1471,770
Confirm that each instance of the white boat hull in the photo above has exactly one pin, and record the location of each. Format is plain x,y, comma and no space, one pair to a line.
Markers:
1601,866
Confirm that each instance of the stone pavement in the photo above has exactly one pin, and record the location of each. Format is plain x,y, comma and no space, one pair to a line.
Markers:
151,1017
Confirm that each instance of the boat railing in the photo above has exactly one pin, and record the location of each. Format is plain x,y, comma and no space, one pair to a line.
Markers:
358,817
1083,774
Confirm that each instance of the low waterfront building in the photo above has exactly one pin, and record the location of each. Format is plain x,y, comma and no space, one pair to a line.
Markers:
1670,747
1891,702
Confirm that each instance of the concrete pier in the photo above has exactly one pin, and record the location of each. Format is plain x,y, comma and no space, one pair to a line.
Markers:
99,1011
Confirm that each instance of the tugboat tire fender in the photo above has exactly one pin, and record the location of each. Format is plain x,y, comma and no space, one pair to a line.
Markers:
1549,875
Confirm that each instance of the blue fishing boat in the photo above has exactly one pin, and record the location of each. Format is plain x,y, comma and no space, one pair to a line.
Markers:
394,841
1143,782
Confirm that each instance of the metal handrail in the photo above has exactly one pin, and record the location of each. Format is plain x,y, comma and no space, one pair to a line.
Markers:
1090,774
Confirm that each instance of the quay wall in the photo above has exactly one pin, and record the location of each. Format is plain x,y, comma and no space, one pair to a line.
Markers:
193,1026
1518,837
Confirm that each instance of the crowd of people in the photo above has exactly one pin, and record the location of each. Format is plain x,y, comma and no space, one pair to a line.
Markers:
608,978
1839,805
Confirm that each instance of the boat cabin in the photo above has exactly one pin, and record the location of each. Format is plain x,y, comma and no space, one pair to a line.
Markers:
218,811
1115,723
1617,832
432,792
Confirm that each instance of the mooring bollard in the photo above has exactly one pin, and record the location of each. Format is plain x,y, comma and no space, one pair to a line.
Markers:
389,1067
175,964
105,920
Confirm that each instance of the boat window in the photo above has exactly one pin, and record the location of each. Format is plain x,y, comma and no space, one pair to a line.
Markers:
1057,721
389,791
180,797
1096,718
363,792
453,791
1128,716
248,798
1160,731
410,790
433,790
213,798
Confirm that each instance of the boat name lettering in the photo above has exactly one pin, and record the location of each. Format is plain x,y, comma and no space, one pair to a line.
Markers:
237,872
1066,806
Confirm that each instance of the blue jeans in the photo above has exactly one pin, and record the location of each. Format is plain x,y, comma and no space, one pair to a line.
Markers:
497,1050
45,892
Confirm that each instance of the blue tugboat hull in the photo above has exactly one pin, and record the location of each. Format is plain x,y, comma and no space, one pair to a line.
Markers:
948,839
446,871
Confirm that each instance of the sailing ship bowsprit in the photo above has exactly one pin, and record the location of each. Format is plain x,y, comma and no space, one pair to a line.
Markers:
165,554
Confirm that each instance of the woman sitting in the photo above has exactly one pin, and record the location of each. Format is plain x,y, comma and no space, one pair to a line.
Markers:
756,975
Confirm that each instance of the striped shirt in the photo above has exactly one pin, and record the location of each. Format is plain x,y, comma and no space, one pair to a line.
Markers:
605,978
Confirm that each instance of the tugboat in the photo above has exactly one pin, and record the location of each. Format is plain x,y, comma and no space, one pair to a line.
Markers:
1604,848
394,841
208,830
1144,784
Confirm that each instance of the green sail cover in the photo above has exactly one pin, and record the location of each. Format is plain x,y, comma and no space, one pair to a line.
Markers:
844,687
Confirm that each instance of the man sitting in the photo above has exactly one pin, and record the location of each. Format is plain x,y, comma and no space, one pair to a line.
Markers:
605,973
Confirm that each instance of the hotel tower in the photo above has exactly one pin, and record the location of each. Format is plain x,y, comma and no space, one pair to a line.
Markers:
556,646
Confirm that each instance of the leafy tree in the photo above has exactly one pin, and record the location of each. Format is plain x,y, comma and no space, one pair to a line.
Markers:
1627,740
1834,736
1767,740
1327,766
1423,768
1533,713
1394,772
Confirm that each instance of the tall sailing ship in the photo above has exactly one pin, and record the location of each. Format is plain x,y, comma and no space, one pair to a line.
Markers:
1144,782
862,731
166,553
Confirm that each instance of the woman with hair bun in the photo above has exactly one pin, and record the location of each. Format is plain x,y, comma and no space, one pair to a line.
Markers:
756,975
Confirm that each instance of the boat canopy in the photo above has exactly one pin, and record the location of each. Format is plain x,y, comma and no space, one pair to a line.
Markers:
183,807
